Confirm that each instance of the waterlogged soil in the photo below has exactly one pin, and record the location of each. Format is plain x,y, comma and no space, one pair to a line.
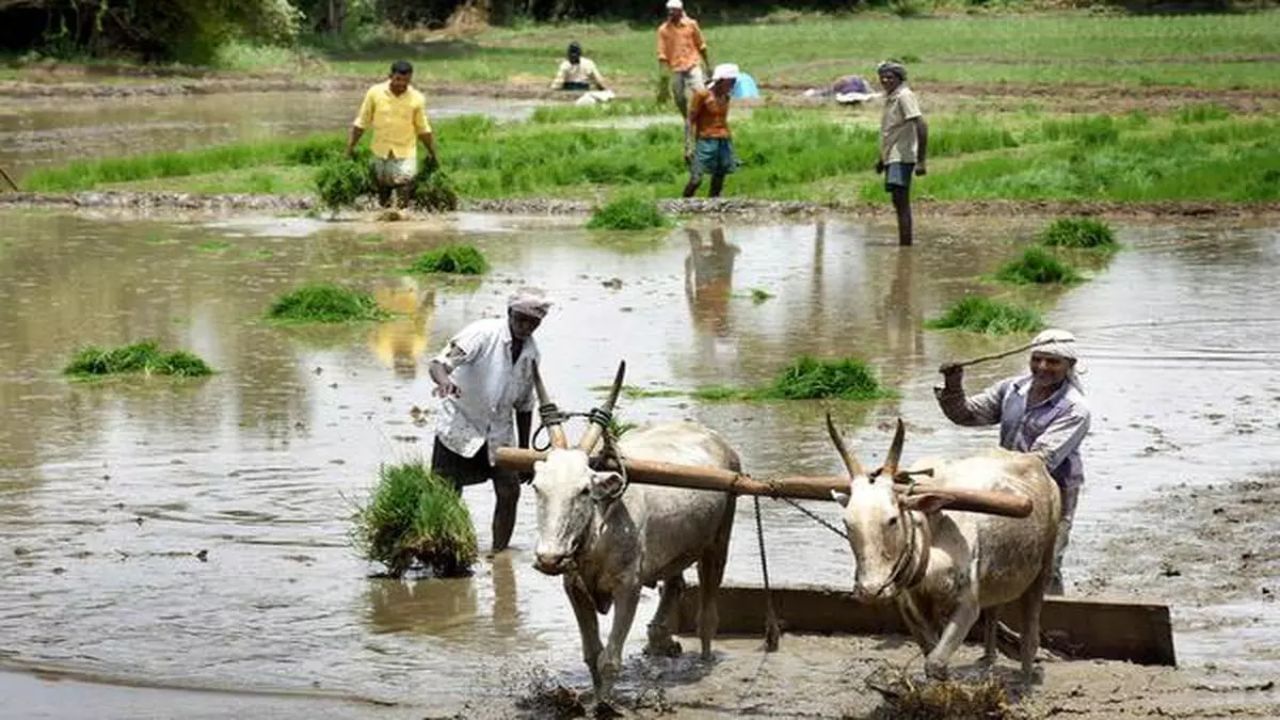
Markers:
181,547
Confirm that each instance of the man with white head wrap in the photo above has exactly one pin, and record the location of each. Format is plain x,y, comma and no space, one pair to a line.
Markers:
484,376
904,143
1042,413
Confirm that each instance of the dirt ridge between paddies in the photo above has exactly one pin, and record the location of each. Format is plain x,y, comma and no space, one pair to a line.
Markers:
181,202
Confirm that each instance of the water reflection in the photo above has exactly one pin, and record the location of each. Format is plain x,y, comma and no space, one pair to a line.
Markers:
708,280
440,607
400,343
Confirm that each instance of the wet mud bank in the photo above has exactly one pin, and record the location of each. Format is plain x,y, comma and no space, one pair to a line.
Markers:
729,207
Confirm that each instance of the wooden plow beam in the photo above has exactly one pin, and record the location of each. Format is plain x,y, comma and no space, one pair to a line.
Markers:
795,487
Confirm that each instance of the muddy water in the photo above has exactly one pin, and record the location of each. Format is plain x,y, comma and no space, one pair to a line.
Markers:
109,491
36,133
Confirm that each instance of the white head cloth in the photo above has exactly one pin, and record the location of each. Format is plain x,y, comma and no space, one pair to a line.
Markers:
675,5
1058,343
725,71
529,301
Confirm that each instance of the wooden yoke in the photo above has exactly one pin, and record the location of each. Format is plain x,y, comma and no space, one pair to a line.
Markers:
795,487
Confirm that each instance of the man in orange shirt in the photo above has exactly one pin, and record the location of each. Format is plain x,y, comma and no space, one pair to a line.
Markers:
682,52
708,144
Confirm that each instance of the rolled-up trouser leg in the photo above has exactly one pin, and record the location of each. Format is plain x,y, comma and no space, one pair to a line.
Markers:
1069,498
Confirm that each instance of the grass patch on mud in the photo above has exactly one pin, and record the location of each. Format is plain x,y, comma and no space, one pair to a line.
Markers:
415,518
326,303
905,699
990,317
1082,233
628,212
1038,266
144,358
808,378
452,259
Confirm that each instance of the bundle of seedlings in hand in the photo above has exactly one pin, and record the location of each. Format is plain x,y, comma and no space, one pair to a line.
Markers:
340,182
434,192
415,518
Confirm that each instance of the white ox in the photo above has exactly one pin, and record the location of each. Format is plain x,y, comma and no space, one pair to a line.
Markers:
608,539
945,568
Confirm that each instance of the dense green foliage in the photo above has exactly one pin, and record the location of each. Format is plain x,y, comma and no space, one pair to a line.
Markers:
324,303
144,357
809,379
455,259
628,212
1038,266
415,517
1078,233
987,316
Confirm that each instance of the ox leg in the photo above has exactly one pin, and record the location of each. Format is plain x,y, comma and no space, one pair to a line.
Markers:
1031,602
588,626
921,627
958,627
660,628
625,601
710,574
990,624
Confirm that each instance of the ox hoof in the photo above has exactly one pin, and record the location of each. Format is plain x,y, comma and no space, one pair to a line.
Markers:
663,648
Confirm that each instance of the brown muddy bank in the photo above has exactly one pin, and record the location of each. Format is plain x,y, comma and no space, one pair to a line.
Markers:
181,202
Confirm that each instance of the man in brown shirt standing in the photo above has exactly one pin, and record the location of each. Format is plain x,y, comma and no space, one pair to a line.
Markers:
682,52
904,141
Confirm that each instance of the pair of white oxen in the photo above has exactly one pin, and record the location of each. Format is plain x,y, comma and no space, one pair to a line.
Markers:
944,569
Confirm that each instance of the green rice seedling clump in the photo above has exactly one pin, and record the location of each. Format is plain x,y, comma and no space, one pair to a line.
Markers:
808,378
1038,266
453,259
414,517
758,296
1078,233
325,303
144,357
983,315
629,212
340,182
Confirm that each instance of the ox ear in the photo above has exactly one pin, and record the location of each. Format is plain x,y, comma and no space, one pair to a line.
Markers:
606,486
927,502
839,497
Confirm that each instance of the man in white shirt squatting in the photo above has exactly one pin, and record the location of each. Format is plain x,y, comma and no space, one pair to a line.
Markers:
485,376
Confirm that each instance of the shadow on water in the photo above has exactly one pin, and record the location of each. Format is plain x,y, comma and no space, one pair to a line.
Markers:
112,490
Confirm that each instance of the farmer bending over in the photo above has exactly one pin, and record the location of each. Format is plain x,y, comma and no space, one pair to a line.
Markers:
683,53
485,376
904,140
708,123
577,72
1042,413
397,114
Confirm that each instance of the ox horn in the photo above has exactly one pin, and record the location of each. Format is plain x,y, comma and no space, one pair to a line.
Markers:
552,419
600,416
895,451
850,460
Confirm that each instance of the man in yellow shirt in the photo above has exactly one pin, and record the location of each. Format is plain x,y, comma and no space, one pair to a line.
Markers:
682,52
397,114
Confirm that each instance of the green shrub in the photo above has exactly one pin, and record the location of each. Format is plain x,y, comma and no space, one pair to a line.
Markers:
326,303
1078,233
454,259
809,379
144,357
983,315
415,517
1038,266
628,212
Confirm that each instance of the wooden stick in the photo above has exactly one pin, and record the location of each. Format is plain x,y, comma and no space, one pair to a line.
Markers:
651,472
9,180
1005,354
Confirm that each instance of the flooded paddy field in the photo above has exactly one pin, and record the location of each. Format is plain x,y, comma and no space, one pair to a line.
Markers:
43,132
184,544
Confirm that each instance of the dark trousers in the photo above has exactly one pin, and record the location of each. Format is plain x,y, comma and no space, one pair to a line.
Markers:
463,471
